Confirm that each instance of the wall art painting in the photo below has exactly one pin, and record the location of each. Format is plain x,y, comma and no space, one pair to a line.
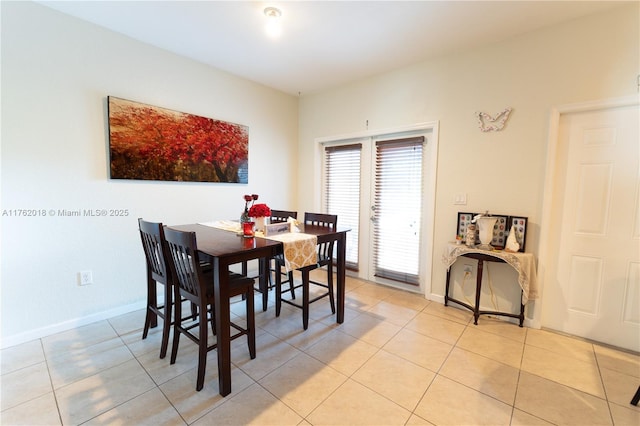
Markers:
153,143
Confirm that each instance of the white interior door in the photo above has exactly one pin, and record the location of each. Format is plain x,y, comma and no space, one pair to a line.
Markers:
595,287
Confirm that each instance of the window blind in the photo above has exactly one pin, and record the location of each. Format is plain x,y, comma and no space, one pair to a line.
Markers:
397,210
342,193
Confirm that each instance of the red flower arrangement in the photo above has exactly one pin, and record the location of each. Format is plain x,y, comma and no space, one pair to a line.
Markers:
259,210
244,217
254,210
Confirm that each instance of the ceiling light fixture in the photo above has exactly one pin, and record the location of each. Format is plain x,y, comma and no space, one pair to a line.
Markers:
272,12
273,27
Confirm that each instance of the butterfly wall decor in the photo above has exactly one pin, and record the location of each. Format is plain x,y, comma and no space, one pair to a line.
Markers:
488,123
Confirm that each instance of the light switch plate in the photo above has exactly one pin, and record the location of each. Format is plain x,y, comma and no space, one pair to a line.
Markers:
460,199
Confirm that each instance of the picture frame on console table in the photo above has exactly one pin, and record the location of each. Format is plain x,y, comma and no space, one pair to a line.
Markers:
464,219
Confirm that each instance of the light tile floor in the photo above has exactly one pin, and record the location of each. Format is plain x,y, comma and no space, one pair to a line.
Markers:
398,359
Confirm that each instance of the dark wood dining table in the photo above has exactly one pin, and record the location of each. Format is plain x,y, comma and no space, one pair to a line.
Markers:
225,248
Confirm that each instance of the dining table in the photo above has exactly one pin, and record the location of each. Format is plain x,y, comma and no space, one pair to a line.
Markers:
224,248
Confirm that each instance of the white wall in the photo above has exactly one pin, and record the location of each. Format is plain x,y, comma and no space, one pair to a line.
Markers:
56,74
503,172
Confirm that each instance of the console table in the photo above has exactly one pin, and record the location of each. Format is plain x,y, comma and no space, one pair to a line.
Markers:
523,263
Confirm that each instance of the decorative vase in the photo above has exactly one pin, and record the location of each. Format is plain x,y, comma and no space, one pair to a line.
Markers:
485,225
244,217
246,224
260,223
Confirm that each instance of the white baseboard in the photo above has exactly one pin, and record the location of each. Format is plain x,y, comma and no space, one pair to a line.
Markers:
8,341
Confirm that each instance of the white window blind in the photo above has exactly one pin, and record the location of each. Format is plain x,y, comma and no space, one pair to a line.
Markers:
397,210
342,193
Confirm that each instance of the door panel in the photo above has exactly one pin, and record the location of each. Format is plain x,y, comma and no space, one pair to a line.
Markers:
595,290
397,210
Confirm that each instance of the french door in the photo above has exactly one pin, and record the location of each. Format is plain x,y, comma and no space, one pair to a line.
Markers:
376,185
396,210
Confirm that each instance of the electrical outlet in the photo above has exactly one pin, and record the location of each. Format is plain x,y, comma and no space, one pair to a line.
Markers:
85,278
468,269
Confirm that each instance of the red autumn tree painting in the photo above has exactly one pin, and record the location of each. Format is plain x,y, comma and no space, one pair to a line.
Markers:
151,143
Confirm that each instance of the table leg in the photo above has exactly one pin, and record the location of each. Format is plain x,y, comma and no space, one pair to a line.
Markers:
636,397
223,321
340,275
446,287
521,317
476,310
263,282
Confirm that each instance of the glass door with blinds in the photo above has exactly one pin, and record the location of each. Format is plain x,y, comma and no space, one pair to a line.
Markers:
375,186
342,193
396,210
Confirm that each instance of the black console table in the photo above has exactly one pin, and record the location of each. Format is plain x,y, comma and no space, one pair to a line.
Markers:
523,263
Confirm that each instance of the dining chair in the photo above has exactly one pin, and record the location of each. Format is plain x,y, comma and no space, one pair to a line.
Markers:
325,259
277,216
152,235
195,283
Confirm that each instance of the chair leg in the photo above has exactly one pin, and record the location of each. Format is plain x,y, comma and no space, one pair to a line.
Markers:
291,282
177,323
194,311
269,270
278,289
251,324
330,286
243,271
151,318
166,323
213,319
305,298
264,277
203,331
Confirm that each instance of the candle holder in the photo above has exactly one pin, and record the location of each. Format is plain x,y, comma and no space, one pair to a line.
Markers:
247,229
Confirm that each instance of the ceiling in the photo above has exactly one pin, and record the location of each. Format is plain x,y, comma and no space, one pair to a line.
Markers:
322,44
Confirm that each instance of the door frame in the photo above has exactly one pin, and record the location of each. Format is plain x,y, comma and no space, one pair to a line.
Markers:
547,256
429,188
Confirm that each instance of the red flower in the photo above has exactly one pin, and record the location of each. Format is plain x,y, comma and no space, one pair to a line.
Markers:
259,210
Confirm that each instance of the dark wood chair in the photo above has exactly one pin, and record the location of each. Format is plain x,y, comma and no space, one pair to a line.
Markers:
195,284
325,259
152,235
277,216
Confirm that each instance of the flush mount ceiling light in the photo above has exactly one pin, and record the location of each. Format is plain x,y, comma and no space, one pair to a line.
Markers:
273,27
272,12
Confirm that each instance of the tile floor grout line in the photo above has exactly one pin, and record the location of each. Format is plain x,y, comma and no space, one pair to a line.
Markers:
604,388
53,390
